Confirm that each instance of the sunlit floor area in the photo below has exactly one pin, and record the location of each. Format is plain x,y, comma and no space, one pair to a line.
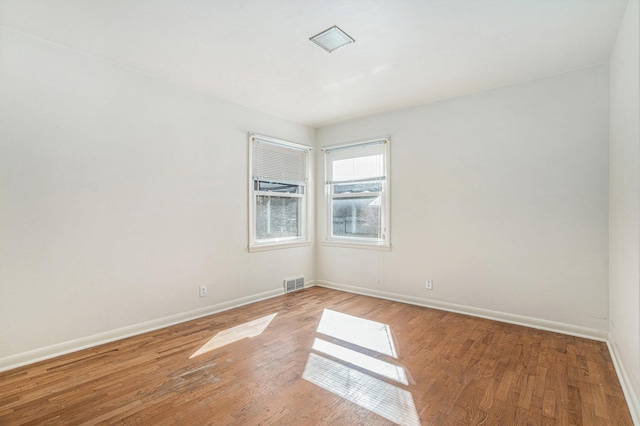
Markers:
320,356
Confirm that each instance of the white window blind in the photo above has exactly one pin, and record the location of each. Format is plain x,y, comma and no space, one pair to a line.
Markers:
278,163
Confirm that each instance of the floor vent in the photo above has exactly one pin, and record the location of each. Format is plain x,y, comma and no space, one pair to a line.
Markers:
293,284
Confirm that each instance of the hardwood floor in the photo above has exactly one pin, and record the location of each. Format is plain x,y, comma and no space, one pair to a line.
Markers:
325,357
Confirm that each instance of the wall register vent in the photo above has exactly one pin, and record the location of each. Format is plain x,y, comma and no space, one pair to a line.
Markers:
293,284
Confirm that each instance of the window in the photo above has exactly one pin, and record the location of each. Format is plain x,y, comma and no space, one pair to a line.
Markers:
278,191
357,187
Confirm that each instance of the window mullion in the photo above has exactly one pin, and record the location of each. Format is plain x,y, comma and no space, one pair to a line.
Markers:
357,194
279,194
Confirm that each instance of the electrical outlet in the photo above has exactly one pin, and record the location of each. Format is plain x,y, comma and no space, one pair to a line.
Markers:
429,284
203,290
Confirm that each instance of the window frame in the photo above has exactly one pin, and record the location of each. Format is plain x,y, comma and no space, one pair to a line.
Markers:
256,244
383,243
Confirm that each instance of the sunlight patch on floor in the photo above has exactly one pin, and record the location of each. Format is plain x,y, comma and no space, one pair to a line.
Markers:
348,366
386,400
358,331
377,366
243,331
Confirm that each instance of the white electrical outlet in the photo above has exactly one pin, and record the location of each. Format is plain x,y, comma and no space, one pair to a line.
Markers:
429,284
203,290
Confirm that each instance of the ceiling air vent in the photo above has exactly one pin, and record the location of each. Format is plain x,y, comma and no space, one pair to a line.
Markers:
332,39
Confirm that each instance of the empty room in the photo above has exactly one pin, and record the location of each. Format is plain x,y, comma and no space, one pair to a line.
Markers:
320,212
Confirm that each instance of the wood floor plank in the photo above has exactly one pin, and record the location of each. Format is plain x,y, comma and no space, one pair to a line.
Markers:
445,368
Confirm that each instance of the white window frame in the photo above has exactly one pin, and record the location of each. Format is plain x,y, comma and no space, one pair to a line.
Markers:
383,243
284,242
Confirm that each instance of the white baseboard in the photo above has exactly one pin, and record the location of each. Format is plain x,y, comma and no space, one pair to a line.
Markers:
557,327
40,354
632,399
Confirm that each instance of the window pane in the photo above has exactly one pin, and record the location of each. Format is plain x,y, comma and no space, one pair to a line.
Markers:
353,188
358,168
277,217
357,217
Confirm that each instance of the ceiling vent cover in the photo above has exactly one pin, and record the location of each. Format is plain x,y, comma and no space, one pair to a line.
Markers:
332,39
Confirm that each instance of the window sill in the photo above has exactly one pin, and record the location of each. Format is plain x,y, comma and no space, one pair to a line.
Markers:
278,246
357,245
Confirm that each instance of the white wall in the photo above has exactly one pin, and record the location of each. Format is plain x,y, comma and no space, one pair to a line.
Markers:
120,194
624,198
499,197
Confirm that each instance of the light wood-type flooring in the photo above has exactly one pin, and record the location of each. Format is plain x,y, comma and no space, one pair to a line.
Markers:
320,356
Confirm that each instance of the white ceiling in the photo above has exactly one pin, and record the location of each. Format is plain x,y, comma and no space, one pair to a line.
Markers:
257,53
